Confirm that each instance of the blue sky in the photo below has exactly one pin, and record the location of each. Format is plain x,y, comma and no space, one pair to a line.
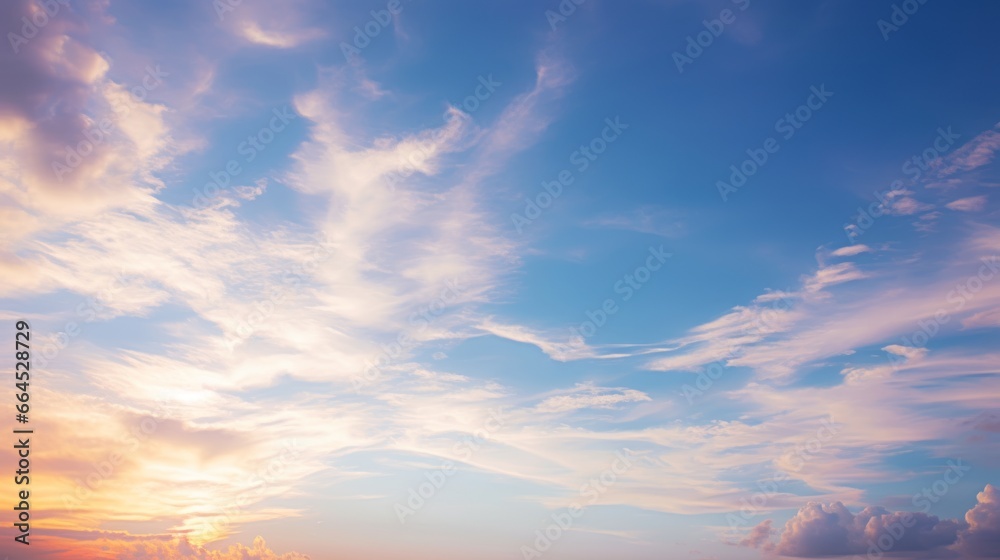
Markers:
294,265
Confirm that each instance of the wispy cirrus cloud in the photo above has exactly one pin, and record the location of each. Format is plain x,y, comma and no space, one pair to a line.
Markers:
968,204
823,324
974,154
267,25
851,250
367,262
647,219
590,396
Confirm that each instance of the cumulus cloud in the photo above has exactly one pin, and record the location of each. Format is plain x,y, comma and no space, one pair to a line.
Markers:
820,530
108,545
72,141
759,536
982,538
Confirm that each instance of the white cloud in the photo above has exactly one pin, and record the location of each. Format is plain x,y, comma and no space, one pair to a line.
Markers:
590,396
851,250
969,204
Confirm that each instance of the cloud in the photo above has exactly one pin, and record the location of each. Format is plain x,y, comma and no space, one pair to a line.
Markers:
724,339
851,250
927,222
824,320
252,31
970,204
898,202
982,538
568,348
906,206
908,352
988,318
820,530
831,276
369,275
987,422
647,219
865,374
110,545
759,536
72,141
524,118
396,217
973,154
269,25
590,396
250,193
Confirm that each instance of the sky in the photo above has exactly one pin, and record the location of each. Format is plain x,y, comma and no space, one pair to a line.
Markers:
577,279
